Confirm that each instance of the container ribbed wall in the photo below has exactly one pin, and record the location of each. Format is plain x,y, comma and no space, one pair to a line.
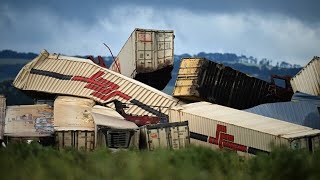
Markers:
308,79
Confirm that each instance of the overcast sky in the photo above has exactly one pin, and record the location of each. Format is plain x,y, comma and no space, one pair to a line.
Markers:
279,30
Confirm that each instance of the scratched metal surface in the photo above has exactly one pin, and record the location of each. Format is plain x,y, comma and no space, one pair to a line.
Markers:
247,129
56,74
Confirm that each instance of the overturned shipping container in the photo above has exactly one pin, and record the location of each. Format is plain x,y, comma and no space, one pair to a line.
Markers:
29,121
216,126
56,74
308,79
147,56
200,79
2,114
166,136
73,113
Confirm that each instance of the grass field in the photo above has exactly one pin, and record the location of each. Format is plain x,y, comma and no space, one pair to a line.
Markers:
37,162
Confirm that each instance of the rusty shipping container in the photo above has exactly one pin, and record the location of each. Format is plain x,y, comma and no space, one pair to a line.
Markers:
307,80
56,74
2,114
73,113
147,56
29,121
80,140
200,79
217,126
167,136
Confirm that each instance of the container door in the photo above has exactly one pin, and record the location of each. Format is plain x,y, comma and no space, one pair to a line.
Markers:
144,43
157,138
179,137
163,49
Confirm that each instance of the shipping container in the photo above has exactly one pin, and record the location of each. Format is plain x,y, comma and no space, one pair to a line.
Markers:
307,80
73,113
2,114
302,113
200,79
29,121
113,131
147,56
56,74
166,136
216,126
77,139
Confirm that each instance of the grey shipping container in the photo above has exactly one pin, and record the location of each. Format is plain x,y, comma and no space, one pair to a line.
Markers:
167,136
200,79
308,79
2,114
217,126
147,56
81,140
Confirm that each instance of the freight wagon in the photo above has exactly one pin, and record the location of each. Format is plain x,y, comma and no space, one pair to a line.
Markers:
147,56
308,79
200,79
217,126
56,74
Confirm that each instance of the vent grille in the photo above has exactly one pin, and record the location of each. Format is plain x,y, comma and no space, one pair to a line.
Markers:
118,139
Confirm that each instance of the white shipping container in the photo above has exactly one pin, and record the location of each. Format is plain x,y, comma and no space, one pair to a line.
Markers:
2,114
216,126
146,50
73,113
167,136
307,80
29,121
56,74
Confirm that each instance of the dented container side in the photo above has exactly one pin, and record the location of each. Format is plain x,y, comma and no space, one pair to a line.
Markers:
73,113
29,121
2,114
145,51
308,79
80,140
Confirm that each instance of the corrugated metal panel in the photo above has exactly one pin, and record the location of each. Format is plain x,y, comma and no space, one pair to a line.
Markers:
2,114
302,113
29,121
217,126
81,140
73,113
308,79
202,79
146,50
80,77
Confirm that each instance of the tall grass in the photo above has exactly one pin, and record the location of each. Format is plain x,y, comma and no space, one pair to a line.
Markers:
37,162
